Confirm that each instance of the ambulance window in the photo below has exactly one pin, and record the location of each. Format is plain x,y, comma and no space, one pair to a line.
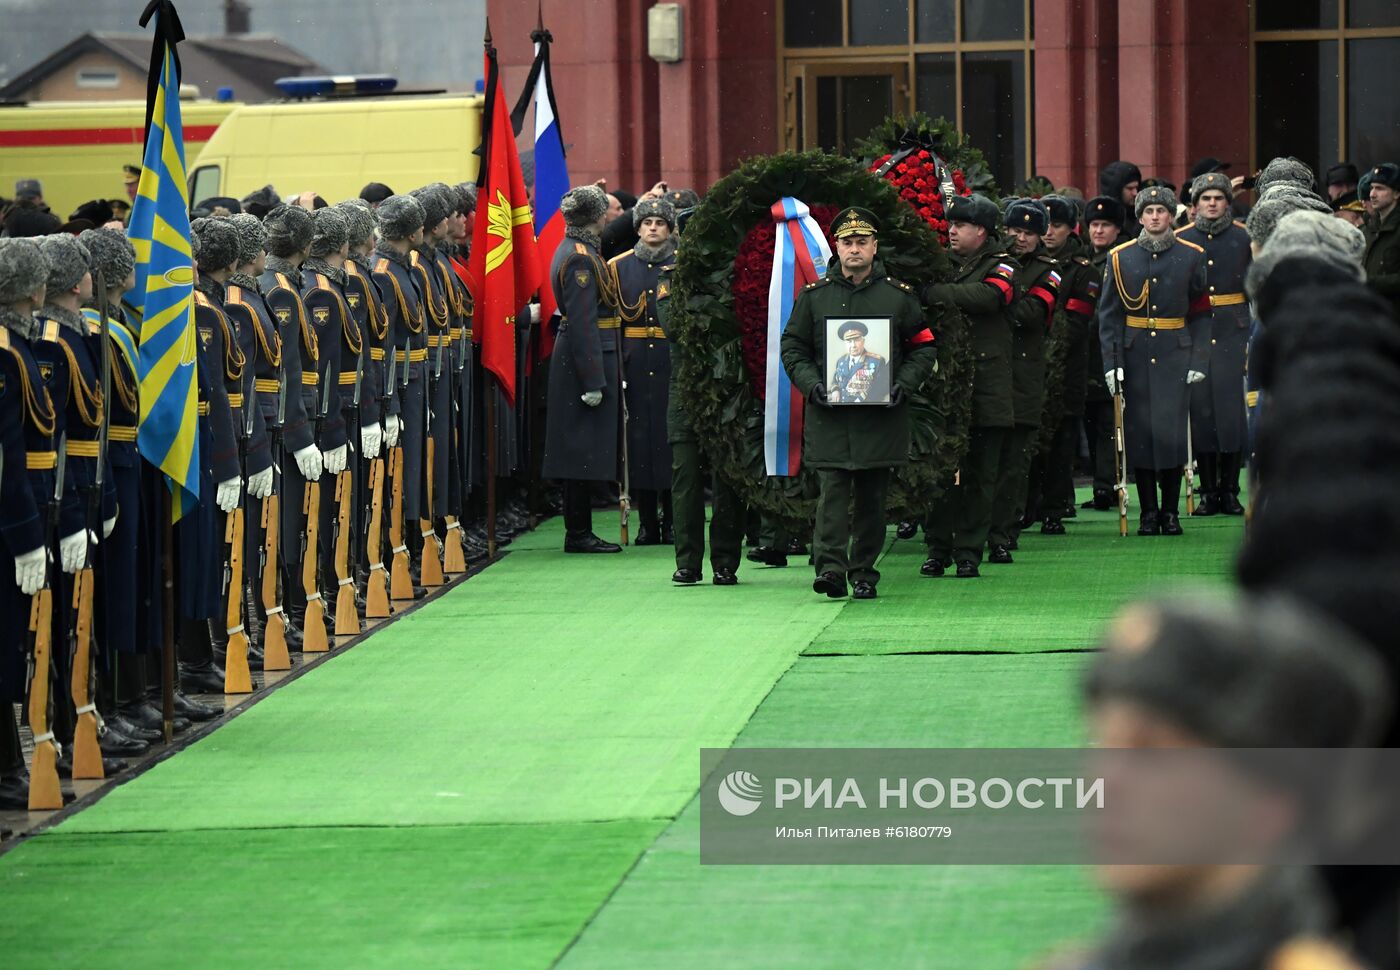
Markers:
204,184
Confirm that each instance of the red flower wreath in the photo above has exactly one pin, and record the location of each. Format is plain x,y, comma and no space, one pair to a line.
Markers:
916,177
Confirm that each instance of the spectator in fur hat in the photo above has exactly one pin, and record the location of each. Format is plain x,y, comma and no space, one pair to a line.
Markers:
261,202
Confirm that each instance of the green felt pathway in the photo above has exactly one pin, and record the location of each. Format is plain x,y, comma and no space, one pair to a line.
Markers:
505,778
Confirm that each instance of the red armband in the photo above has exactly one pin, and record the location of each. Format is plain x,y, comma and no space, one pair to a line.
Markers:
1200,304
1007,292
924,336
1083,307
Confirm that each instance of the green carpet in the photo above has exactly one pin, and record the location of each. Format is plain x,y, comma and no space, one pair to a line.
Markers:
676,913
1057,595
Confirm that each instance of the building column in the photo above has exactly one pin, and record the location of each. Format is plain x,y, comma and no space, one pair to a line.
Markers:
1076,91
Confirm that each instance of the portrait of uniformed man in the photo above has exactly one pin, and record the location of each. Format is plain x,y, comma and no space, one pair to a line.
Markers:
860,375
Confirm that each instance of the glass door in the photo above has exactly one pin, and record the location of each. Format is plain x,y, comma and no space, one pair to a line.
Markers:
833,104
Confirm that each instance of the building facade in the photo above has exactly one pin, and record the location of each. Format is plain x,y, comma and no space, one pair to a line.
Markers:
1051,87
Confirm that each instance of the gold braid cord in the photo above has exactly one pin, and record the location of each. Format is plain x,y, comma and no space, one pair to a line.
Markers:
436,312
308,335
1131,303
41,411
272,353
89,400
408,319
630,312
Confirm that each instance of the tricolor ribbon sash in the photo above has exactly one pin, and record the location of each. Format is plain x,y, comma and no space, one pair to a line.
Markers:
800,255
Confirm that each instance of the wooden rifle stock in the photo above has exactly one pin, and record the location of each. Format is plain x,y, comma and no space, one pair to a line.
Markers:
377,590
1120,448
1189,472
430,572
314,626
275,655
347,616
454,557
87,755
400,582
44,791
237,679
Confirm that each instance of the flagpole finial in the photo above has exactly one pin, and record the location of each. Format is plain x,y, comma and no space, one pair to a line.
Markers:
539,21
487,39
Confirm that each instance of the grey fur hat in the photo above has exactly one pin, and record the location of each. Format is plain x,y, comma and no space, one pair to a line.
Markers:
289,230
359,219
218,244
112,254
1289,170
1155,195
69,261
252,237
467,192
23,269
1267,212
583,205
436,206
683,198
660,208
1257,672
331,231
399,216
1310,235
1212,181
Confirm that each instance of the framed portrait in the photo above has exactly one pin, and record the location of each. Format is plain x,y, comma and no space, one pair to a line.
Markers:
858,360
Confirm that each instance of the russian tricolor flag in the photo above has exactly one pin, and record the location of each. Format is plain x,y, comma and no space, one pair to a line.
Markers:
551,182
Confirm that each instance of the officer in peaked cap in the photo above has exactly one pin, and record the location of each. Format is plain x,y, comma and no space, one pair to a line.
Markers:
1103,226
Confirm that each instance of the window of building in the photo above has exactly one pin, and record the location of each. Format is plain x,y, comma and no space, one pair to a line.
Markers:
847,64
1324,81
97,78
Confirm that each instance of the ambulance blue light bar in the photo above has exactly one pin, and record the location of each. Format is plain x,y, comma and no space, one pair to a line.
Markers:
337,84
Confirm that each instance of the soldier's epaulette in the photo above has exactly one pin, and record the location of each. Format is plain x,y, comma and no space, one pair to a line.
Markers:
580,249
4,338
1240,224
1083,260
1122,246
1180,230
1310,953
1047,258
201,299
382,265
1187,242
619,258
899,284
322,283
821,282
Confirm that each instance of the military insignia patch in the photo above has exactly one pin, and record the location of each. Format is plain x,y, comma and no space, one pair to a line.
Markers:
284,316
46,372
661,291
583,277
581,249
321,314
354,300
205,335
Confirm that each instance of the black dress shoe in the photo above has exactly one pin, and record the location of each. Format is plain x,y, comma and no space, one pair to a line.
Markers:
1014,543
114,744
14,793
1103,500
967,569
768,556
831,584
255,657
1208,503
686,577
147,715
933,566
668,535
1000,555
907,529
293,637
1148,524
647,536
1171,523
203,679
193,710
862,590
589,543
1070,512
725,577
1230,504
131,729
1052,527
796,547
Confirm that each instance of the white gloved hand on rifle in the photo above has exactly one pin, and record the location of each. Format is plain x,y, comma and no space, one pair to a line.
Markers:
592,398
110,524
29,570
226,496
335,460
308,460
1194,377
392,426
1112,379
260,485
72,550
371,439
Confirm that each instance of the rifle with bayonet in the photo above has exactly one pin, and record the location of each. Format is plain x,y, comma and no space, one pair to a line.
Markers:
347,617
275,653
237,678
314,638
377,584
430,567
44,791
1120,445
400,581
454,558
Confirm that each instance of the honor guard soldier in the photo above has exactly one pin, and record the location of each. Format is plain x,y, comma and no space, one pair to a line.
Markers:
289,232
1103,223
1382,260
1154,320
854,447
1218,427
440,324
28,426
1031,315
646,367
465,443
982,288
584,371
400,230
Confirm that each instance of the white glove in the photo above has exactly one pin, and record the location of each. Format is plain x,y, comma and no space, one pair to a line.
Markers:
371,438
29,571
260,485
226,497
110,524
534,313
592,398
72,550
392,426
308,460
1194,377
335,460
1111,378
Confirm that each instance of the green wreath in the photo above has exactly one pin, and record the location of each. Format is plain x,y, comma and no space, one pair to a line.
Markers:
715,384
942,135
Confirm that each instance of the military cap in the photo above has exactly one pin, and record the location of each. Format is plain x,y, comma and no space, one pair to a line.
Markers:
435,205
28,220
218,244
1061,210
1028,214
583,205
855,221
683,198
1257,672
112,254
289,230
331,231
98,212
1284,170
1387,174
1212,181
1206,165
1155,195
23,269
1343,173
359,220
252,237
852,326
69,261
28,189
646,208
466,192
131,174
1104,208
398,217
975,209
1348,202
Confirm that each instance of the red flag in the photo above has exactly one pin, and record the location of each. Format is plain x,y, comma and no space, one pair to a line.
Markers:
504,269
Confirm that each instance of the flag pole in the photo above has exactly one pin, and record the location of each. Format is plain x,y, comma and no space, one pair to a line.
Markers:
167,646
